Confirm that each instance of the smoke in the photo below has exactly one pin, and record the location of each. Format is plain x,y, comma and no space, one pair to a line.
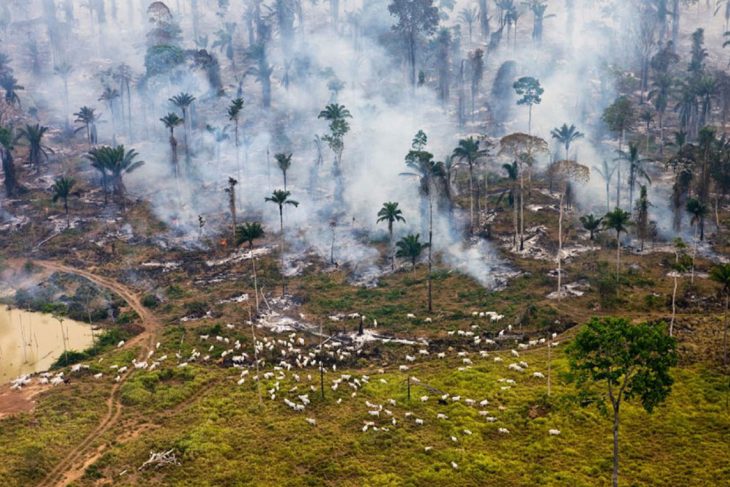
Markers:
349,65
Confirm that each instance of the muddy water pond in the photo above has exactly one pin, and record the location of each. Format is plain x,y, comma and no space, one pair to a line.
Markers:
31,342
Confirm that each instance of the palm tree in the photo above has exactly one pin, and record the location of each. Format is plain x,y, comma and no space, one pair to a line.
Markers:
124,75
469,16
109,96
62,189
183,102
225,42
721,275
87,117
606,173
64,70
566,136
591,223
390,213
113,163
699,211
34,134
636,169
234,114
469,150
513,175
248,232
409,247
172,120
281,198
284,162
660,95
617,220
11,87
6,161
337,116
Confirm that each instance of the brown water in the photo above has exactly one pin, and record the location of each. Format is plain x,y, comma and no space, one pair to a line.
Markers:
31,342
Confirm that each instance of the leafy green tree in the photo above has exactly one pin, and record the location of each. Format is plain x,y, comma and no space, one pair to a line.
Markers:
591,224
337,116
283,161
531,91
642,216
170,121
8,165
248,232
280,198
390,213
414,19
660,95
33,135
630,362
698,211
410,247
113,163
566,136
617,220
11,87
721,275
471,151
62,189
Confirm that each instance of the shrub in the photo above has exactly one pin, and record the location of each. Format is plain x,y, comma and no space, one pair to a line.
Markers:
150,301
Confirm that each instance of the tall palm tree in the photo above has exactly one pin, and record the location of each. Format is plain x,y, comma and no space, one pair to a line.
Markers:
62,189
109,96
124,75
390,213
113,163
469,16
513,175
183,102
636,169
606,172
660,94
87,117
409,247
283,160
429,172
11,87
281,198
721,275
172,120
33,134
591,223
566,135
617,220
469,150
225,41
63,71
234,115
337,116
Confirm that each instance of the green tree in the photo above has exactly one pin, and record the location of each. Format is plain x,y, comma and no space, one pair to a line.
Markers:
109,96
390,213
11,87
414,18
606,172
566,135
721,275
62,189
591,224
471,151
33,134
410,247
172,120
617,220
636,168
642,216
531,92
113,163
87,117
234,115
281,198
248,232
183,101
8,165
283,160
631,362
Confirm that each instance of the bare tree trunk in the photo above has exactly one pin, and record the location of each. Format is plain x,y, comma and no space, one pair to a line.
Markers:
560,247
615,445
674,306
